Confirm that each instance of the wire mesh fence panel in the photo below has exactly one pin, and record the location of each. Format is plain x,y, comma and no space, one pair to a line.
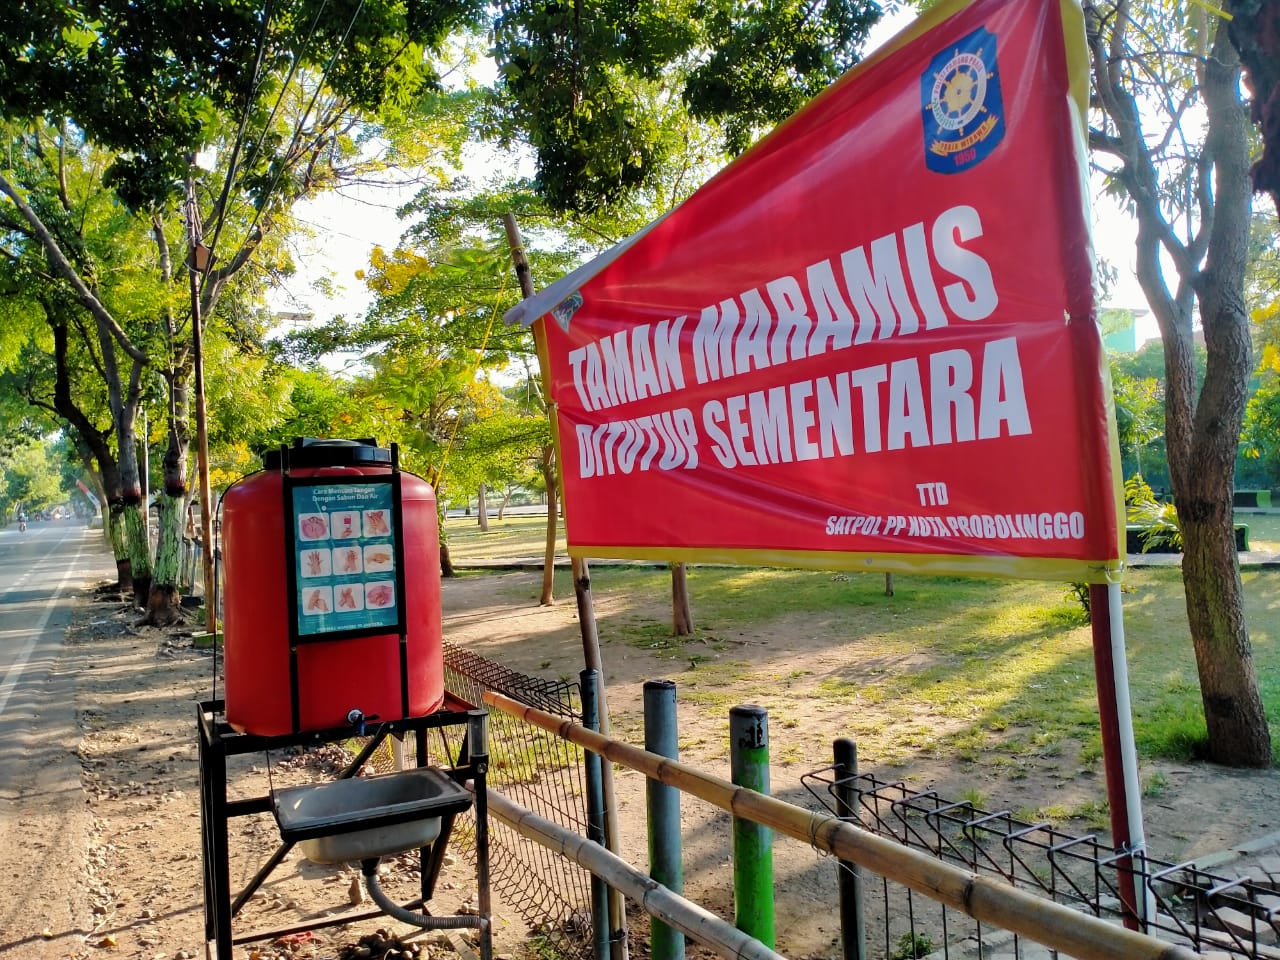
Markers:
540,772
1232,915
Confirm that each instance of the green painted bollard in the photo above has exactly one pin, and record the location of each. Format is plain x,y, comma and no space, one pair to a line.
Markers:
752,843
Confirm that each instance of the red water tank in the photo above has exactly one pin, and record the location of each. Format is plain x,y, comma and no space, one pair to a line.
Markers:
334,676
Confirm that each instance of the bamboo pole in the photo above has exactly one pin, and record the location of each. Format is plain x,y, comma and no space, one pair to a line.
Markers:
689,918
989,901
592,659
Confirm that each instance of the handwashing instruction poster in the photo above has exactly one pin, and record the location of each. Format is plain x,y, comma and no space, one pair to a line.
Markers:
344,557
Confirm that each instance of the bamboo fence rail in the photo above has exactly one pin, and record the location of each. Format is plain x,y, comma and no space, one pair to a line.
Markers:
1056,926
703,926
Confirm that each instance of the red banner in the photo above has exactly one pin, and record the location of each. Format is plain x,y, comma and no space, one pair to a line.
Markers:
870,342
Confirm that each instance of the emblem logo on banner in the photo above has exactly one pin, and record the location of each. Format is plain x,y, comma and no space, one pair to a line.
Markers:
963,109
564,311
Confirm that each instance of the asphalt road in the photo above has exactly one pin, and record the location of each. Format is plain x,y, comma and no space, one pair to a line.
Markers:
39,571
44,820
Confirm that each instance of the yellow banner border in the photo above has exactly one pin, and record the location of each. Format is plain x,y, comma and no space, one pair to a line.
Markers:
1002,566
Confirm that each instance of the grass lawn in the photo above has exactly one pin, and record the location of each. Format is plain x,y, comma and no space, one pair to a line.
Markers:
524,535
515,537
1264,530
952,666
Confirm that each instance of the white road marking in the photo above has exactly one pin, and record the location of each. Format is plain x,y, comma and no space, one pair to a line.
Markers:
14,673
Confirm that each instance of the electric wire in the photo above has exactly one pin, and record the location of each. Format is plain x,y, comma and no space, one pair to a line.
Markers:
302,120
266,127
236,144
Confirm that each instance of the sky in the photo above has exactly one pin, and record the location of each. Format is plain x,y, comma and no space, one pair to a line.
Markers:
350,224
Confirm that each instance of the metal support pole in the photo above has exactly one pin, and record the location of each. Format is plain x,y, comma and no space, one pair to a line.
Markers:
198,263
849,874
1119,751
215,848
478,743
752,843
663,805
595,819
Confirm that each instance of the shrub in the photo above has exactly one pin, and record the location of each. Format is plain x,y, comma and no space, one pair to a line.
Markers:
1158,520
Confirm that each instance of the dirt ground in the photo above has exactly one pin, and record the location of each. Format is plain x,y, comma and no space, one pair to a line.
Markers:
116,845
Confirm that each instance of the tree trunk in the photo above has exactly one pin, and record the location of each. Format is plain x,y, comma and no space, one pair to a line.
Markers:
681,614
136,543
482,509
139,550
123,401
548,464
1206,437
1202,433
120,545
1234,715
164,603
95,442
446,562
1233,712
164,606
502,507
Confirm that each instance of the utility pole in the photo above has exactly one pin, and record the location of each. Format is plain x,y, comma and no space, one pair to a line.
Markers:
199,261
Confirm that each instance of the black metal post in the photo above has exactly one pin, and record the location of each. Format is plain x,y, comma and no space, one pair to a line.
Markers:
852,928
217,857
425,884
478,740
600,933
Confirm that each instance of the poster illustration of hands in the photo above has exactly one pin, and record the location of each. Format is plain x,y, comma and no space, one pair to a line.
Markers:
344,558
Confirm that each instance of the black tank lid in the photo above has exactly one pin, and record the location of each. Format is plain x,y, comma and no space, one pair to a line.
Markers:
315,452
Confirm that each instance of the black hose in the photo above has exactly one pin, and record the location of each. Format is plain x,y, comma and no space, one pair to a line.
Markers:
423,920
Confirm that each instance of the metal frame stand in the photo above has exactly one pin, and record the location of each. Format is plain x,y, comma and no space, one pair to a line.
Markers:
218,741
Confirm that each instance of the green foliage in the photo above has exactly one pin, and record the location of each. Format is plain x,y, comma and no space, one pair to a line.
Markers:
912,946
318,404
1078,593
151,78
588,85
1180,736
1260,441
768,60
1159,520
1139,406
30,476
